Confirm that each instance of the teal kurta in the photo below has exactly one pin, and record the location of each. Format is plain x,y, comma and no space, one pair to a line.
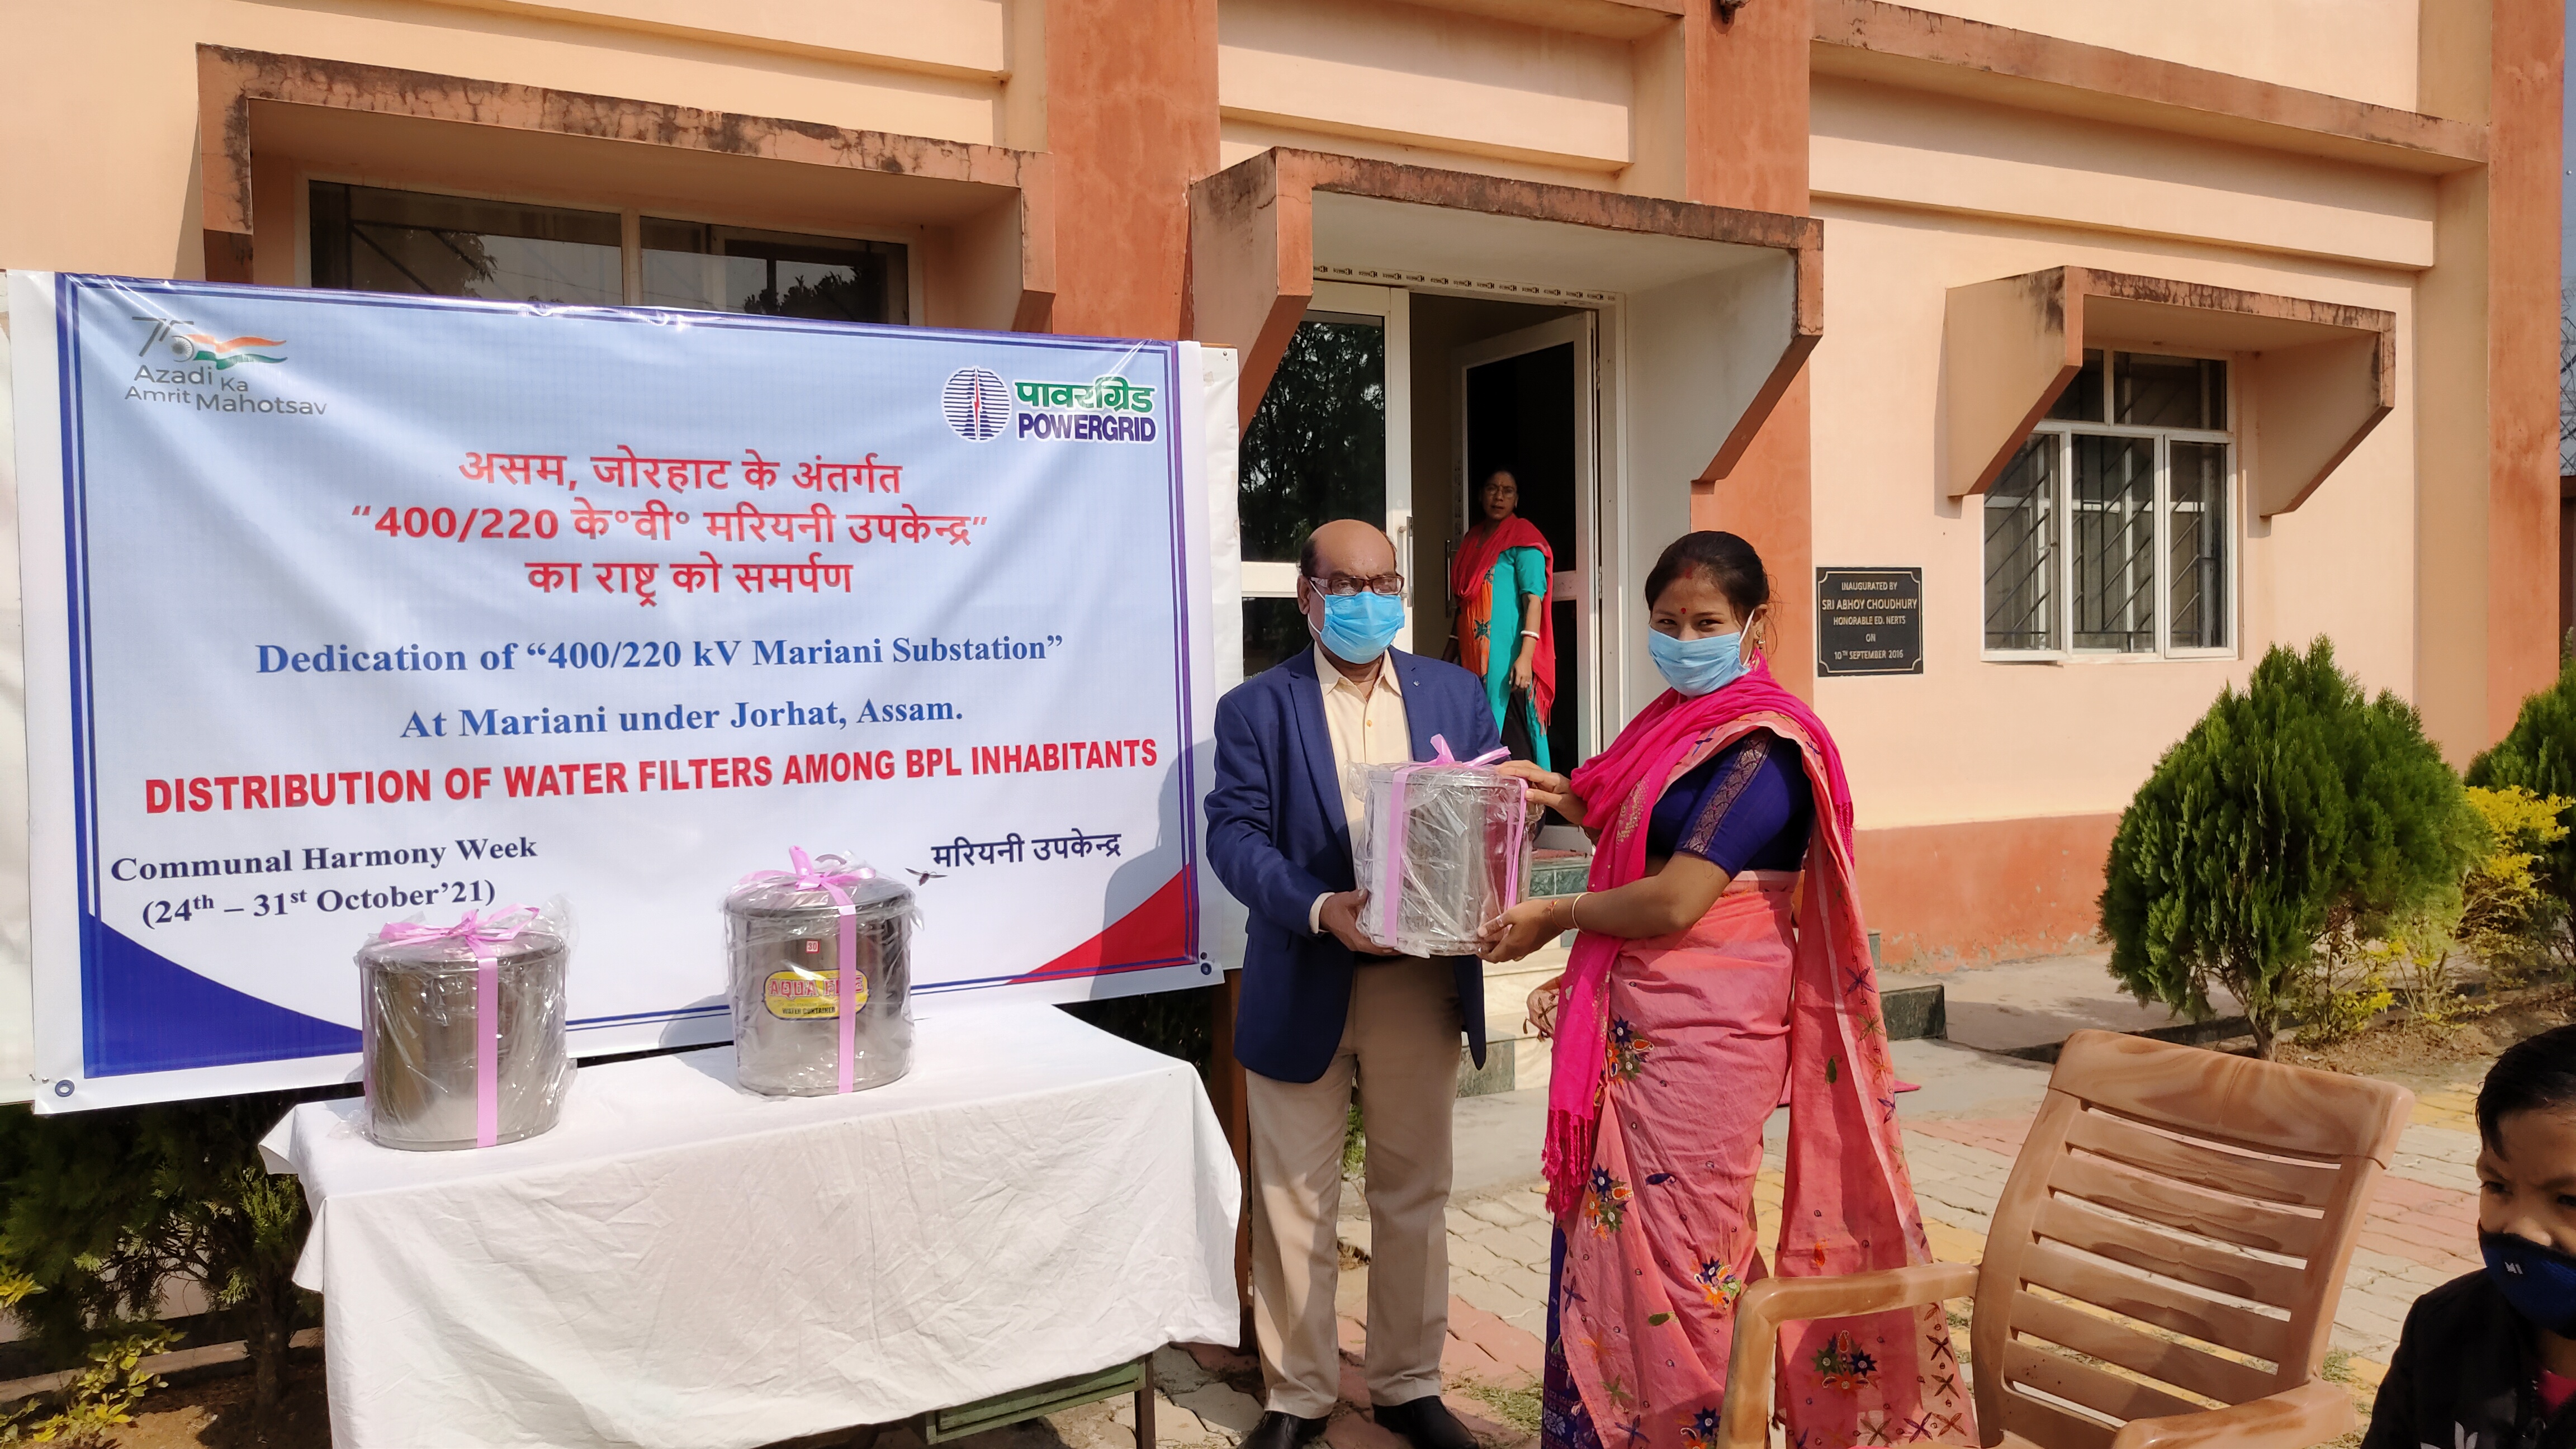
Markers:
1518,572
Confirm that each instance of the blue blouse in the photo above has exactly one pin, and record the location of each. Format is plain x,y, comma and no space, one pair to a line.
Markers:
1747,807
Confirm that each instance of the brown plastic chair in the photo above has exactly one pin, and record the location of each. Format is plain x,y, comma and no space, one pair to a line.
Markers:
2149,1156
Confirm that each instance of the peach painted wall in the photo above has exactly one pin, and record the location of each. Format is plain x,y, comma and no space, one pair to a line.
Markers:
1941,895
1399,74
2361,49
1972,740
1944,154
122,79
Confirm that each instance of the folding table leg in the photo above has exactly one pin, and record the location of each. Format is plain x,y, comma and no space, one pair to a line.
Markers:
1145,1406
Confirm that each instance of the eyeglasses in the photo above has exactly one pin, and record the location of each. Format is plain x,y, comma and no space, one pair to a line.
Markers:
1343,586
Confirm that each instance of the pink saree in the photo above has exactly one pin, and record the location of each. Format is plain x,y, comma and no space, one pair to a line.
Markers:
1669,1057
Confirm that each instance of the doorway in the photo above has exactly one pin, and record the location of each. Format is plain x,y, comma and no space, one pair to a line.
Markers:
1523,402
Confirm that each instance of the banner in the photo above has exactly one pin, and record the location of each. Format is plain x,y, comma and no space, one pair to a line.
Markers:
344,608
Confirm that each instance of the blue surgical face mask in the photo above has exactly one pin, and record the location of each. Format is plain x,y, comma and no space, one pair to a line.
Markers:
1698,666
2537,1279
1358,627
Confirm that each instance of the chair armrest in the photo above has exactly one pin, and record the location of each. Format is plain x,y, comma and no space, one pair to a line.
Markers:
2291,1419
1774,1301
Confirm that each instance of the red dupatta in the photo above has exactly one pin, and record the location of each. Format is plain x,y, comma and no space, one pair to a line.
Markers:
1850,1204
1478,552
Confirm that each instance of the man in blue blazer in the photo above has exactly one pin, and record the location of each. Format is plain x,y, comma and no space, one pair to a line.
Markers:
1323,1006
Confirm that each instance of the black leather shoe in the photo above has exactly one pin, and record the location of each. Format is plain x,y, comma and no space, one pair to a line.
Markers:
1425,1423
1285,1431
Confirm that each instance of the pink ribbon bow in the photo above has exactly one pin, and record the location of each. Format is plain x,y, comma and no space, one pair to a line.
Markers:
807,876
1392,872
484,936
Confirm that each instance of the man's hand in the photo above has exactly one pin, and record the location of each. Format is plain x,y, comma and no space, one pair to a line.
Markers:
1342,918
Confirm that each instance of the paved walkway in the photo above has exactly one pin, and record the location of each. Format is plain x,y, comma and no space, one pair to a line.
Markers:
1962,1131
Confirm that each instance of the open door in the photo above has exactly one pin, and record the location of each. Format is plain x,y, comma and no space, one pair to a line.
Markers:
1525,401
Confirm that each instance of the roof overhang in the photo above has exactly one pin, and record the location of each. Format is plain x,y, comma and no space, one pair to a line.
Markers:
997,205
2319,375
1753,280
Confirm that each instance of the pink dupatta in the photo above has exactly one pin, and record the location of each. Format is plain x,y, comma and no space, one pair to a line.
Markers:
1850,1204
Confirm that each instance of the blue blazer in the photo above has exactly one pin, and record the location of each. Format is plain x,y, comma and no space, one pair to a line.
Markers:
1278,838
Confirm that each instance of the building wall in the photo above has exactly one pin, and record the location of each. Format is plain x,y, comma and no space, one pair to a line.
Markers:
1424,83
2363,49
122,78
1985,790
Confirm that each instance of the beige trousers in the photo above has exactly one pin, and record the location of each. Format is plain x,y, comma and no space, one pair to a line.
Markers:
1401,1044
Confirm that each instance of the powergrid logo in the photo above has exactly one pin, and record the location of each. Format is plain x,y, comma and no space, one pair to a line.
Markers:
979,405
976,403
182,345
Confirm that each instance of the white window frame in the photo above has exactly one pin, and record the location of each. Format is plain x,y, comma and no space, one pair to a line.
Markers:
2062,432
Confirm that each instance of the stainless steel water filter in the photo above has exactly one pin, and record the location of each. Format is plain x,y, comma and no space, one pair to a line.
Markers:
1444,851
421,1031
784,942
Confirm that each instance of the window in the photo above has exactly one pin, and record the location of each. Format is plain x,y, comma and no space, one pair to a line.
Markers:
2110,531
728,269
369,239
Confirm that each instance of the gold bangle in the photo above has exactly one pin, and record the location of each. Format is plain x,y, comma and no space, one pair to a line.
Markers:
1571,923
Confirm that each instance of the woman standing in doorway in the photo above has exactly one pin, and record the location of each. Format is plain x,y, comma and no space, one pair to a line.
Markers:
1498,586
1721,957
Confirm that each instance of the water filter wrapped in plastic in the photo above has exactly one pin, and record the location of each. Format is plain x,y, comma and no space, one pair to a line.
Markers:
1441,852
821,977
462,1028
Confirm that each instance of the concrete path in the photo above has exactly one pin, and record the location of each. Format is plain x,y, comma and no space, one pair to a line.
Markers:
2023,1004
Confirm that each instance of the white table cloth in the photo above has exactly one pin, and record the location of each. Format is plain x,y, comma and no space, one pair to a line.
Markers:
682,1263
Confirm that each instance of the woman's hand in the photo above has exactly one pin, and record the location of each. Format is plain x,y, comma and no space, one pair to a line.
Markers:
1544,999
1546,788
1525,665
1519,931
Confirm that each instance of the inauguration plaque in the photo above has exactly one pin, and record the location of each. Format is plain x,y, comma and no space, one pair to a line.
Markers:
1869,621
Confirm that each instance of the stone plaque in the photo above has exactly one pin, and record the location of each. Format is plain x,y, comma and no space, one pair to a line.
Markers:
1869,621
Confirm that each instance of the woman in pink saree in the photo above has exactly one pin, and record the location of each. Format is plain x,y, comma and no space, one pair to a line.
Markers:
1720,957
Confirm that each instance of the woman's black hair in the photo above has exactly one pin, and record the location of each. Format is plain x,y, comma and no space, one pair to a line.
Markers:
1723,559
2536,1074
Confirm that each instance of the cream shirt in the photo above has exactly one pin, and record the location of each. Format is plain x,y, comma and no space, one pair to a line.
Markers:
1368,727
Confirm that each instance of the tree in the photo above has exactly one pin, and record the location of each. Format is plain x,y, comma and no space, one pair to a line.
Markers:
2291,811
99,1210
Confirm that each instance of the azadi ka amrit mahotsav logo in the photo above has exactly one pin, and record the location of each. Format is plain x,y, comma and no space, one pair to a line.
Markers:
205,347
978,405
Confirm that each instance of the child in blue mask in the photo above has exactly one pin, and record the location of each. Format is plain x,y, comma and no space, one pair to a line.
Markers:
2490,1359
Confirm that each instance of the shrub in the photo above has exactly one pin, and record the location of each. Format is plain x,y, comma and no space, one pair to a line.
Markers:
2539,755
99,1210
2294,811
2342,992
101,1396
2510,919
1175,1023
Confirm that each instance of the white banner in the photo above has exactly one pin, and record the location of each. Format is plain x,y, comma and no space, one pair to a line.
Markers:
343,608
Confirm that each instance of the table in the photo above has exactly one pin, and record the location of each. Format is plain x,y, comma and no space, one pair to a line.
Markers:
682,1263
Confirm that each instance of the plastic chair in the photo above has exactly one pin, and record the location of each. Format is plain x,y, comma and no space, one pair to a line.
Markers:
2238,1184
